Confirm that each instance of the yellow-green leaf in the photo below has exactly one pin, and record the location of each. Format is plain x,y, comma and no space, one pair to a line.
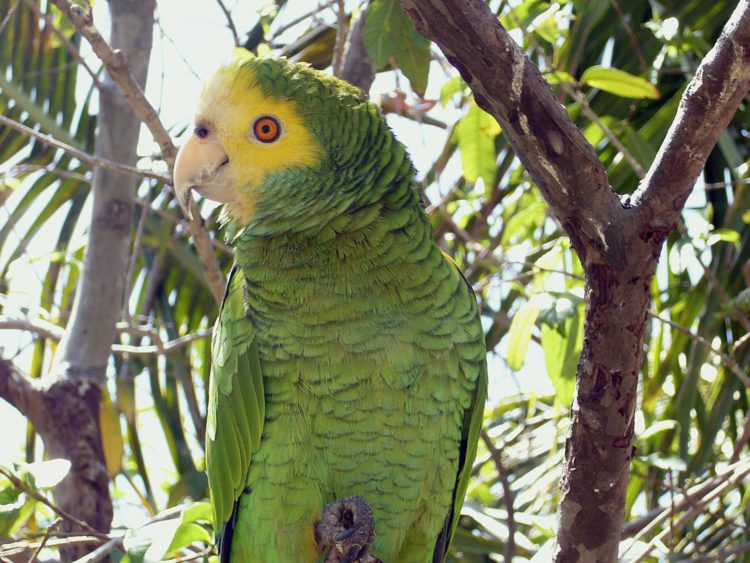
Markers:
476,140
561,351
619,82
519,334
109,422
558,77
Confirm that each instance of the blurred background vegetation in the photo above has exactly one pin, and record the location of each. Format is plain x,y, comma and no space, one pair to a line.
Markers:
618,67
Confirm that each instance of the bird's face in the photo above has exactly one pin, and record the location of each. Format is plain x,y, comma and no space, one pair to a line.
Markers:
242,135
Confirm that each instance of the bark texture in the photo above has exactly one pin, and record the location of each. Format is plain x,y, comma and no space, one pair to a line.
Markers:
357,68
85,348
64,407
618,241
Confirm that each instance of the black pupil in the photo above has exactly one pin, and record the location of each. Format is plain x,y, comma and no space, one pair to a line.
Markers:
265,128
201,131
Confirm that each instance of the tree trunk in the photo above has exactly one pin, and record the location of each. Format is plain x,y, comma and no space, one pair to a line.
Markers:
66,412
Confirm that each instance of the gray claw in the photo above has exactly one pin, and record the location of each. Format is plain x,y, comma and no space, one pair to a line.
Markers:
348,528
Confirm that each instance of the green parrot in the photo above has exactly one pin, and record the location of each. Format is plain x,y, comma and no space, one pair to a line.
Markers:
348,356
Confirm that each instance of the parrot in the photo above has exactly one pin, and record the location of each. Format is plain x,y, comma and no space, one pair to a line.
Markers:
348,356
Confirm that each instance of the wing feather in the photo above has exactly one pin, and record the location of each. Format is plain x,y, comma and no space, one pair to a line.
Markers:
472,354
236,406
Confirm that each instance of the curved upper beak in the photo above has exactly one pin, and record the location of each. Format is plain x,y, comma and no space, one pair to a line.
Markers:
203,165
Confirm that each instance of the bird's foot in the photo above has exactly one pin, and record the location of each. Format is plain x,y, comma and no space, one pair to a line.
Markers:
348,528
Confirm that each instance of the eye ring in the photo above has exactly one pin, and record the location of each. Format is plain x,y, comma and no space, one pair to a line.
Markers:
266,129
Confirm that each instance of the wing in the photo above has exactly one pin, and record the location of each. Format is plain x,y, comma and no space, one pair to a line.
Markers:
473,360
236,407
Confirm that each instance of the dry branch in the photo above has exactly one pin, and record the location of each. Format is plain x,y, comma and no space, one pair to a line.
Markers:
83,156
356,66
118,69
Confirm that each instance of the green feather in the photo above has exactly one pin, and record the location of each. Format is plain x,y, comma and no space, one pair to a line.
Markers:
235,406
348,357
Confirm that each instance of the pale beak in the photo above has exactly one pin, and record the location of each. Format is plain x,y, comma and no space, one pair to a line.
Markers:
203,165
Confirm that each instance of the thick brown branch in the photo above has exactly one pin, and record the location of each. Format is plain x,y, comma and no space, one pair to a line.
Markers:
706,108
356,65
507,85
19,390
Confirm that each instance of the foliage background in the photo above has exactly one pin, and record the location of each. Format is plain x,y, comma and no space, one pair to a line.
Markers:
618,67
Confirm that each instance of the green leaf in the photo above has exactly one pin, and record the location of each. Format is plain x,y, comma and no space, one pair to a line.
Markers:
546,24
562,347
15,508
177,529
476,140
723,235
377,35
619,82
558,308
390,34
558,77
151,542
667,463
657,428
450,89
519,334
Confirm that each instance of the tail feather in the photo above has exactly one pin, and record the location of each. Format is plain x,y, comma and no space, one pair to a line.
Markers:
224,539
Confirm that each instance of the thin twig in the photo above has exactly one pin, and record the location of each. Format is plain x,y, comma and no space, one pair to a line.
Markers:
9,15
725,358
634,43
53,332
341,32
103,551
497,458
19,484
119,71
49,169
282,28
132,262
742,440
162,348
69,46
13,548
83,156
40,327
50,530
192,557
230,22
731,474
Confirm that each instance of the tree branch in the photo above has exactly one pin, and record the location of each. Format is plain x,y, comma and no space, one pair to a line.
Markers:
507,85
83,156
53,332
356,66
19,390
706,108
119,70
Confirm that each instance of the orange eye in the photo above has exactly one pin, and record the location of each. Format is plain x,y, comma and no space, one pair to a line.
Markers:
266,129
